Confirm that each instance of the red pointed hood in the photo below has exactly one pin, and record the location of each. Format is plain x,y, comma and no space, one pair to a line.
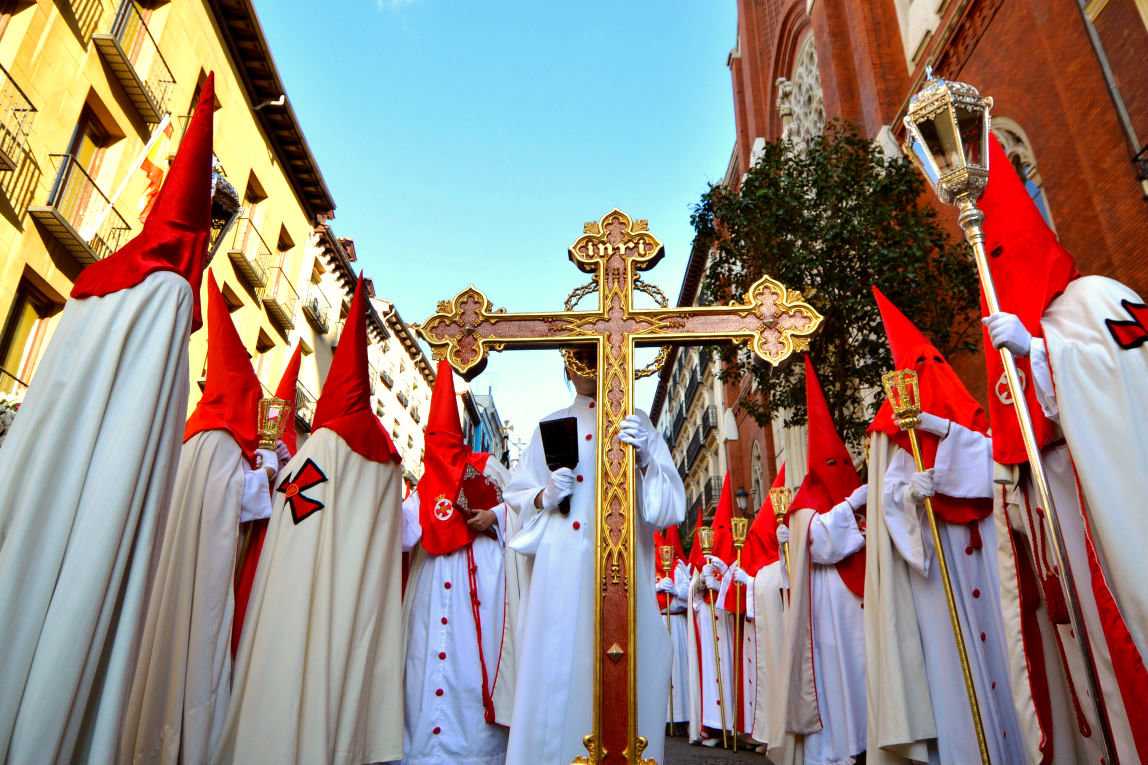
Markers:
942,392
723,531
288,385
761,548
1030,269
830,477
176,234
445,460
344,406
231,394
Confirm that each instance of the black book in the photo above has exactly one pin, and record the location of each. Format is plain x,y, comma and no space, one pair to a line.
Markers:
560,444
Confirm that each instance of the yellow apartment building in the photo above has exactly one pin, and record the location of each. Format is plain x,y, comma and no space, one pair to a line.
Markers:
94,97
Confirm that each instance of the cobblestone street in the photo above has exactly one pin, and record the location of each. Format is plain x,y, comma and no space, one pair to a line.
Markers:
679,752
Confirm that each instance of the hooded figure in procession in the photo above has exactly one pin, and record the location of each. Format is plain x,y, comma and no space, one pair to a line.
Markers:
455,608
673,595
822,677
926,716
319,669
182,681
1082,341
87,475
554,693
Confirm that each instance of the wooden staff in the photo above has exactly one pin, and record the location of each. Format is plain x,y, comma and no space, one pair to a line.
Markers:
739,526
666,553
904,397
706,537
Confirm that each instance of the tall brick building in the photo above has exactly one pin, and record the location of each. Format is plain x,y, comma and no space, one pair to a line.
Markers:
1070,84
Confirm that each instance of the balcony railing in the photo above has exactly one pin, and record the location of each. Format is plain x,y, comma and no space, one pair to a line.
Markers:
16,117
705,358
279,298
709,421
249,253
132,54
304,408
402,397
79,215
712,491
693,450
316,307
387,379
692,388
416,416
679,423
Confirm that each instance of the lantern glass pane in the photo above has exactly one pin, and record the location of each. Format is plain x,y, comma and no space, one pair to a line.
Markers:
924,161
939,133
971,124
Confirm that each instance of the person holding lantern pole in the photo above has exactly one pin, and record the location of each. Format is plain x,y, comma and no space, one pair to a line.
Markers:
966,668
822,677
672,585
1067,332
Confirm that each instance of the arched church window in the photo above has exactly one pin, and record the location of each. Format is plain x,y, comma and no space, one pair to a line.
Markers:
800,103
758,494
1019,151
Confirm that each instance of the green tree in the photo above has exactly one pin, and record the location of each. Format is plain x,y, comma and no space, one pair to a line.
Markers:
831,219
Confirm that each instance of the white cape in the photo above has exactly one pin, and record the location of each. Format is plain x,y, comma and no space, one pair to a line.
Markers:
319,668
554,697
85,481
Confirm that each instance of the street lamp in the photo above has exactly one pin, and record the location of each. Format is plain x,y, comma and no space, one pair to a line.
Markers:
742,499
947,137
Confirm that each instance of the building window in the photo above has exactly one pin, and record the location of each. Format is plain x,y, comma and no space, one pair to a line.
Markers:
24,336
758,482
1019,151
799,100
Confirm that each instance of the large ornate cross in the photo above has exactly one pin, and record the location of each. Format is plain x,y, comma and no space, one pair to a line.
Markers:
773,320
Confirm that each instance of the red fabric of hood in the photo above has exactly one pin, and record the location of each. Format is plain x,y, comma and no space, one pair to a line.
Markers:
445,459
1030,269
288,385
344,406
231,394
177,231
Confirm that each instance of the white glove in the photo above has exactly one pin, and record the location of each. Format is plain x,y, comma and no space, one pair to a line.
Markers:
1007,331
782,534
931,423
707,571
268,460
634,431
717,564
559,486
283,453
664,585
921,486
859,498
713,583
739,574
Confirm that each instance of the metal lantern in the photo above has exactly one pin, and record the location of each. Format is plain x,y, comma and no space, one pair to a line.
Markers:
274,414
947,136
666,553
904,396
779,499
742,499
739,527
706,537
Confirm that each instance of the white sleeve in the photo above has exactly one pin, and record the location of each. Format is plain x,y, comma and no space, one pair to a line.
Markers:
964,464
903,517
256,503
499,511
834,535
749,610
681,584
1042,379
412,528
662,496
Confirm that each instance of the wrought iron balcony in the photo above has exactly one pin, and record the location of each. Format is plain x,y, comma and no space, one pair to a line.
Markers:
279,298
387,379
402,397
249,253
693,450
316,307
418,418
692,388
135,59
16,117
304,408
709,421
712,491
679,423
705,358
79,215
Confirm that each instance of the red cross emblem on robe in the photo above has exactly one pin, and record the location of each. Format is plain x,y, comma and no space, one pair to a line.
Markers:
302,506
1133,333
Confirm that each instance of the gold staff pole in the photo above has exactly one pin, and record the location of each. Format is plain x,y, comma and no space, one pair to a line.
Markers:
706,537
666,553
739,527
779,499
904,397
947,136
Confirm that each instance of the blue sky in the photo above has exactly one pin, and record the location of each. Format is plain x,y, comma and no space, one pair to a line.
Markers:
467,142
